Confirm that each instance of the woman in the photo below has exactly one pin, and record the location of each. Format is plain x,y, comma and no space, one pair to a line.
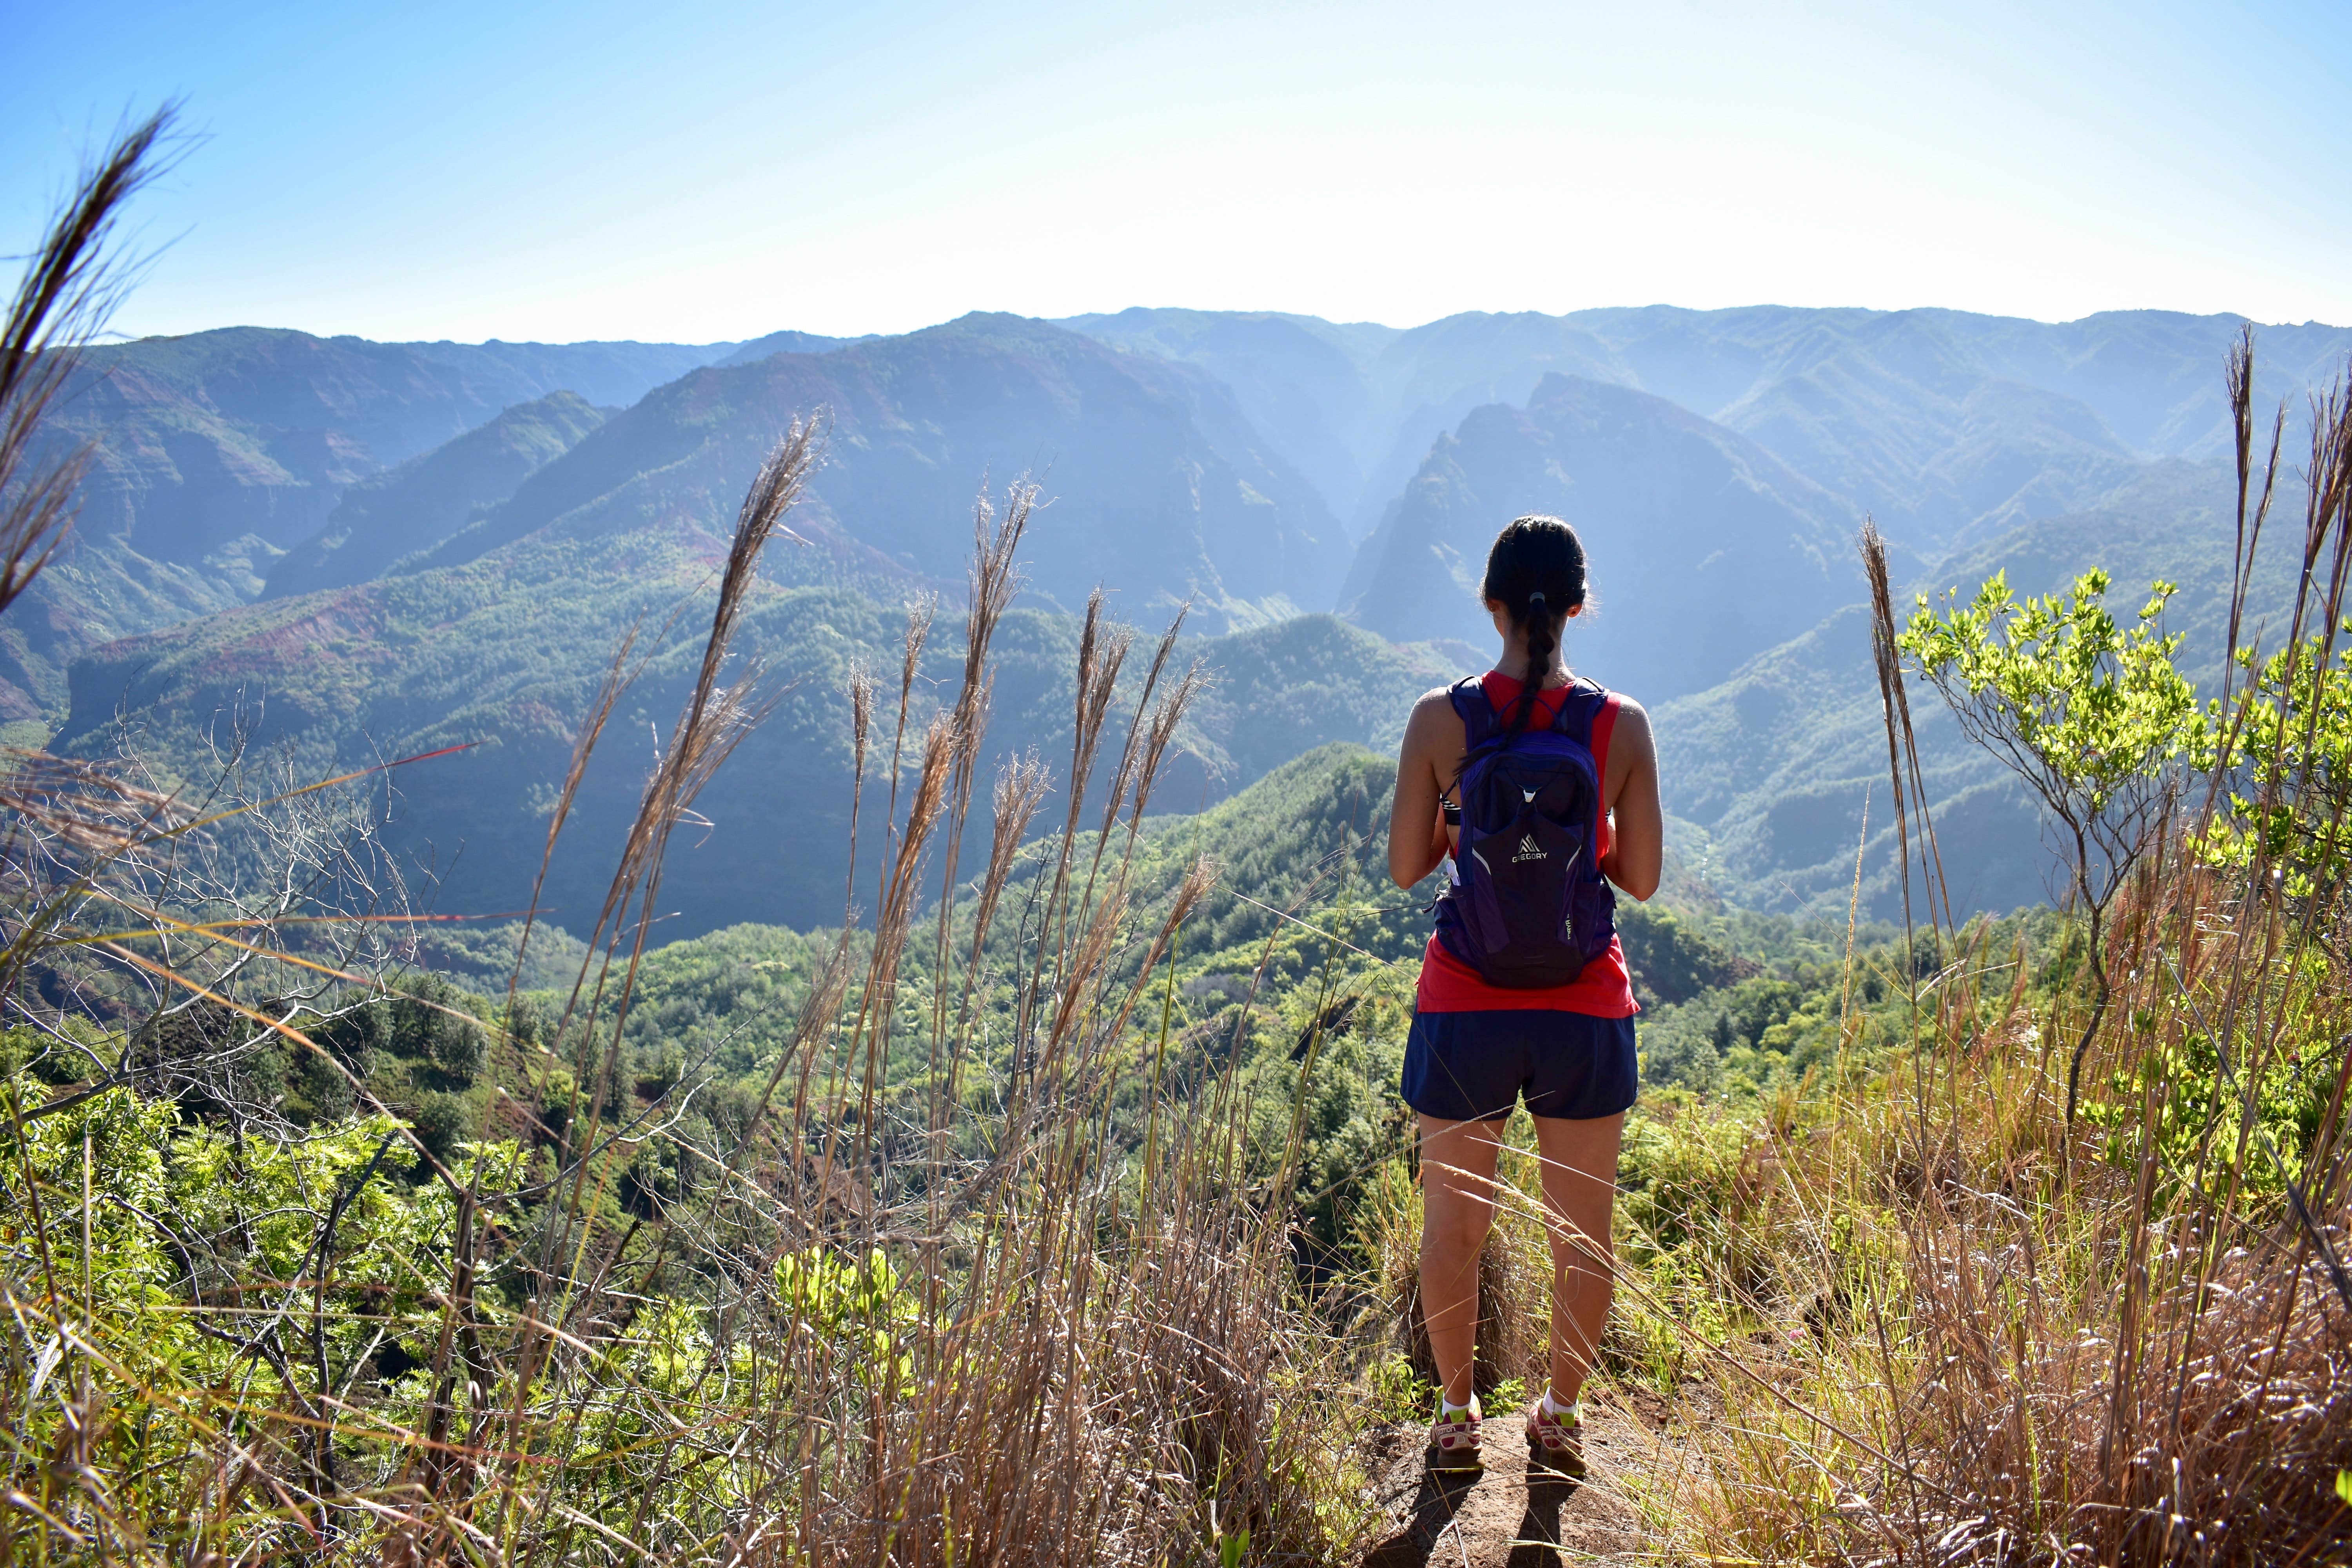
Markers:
1477,1046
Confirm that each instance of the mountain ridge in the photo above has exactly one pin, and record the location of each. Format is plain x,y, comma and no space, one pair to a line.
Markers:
1157,483
1765,776
417,504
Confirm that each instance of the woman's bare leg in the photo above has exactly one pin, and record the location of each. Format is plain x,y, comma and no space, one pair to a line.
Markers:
1580,1182
1457,1205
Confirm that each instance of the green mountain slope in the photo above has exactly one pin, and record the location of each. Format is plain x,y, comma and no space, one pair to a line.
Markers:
1767,772
214,452
92,592
427,499
1307,840
1702,546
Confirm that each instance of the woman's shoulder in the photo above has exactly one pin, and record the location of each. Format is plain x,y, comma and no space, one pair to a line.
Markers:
1631,721
1431,706
1433,714
1625,705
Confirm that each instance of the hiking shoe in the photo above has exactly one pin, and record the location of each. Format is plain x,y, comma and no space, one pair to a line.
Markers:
1557,1440
1454,1442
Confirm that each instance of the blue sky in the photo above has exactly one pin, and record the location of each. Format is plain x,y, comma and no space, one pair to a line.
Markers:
698,172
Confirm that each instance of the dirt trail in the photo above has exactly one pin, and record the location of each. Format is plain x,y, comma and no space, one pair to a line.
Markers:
1511,1513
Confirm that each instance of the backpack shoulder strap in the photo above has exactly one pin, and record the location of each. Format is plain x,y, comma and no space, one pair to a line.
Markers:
1578,709
1479,719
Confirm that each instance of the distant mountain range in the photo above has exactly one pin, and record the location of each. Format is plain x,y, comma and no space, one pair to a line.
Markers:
1936,422
444,540
205,438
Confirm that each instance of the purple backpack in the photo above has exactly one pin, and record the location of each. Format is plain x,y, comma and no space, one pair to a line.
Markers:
1525,903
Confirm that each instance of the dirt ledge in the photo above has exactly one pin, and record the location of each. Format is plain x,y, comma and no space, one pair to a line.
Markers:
1513,1512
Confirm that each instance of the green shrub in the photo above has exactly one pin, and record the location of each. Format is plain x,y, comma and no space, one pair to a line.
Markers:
442,1122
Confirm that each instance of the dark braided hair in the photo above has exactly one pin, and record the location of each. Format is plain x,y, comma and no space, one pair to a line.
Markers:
1535,572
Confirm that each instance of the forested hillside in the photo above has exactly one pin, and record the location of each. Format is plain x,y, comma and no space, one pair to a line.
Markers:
507,655
1769,771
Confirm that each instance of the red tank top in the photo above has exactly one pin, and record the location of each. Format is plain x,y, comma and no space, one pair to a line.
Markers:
1605,989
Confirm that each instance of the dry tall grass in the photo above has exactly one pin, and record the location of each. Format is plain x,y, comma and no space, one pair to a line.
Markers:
70,288
889,1328
1979,1334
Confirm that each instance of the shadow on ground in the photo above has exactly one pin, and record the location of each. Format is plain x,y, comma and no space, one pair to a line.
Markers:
1515,1512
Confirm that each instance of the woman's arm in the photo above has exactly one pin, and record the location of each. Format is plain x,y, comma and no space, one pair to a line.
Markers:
1638,854
1417,837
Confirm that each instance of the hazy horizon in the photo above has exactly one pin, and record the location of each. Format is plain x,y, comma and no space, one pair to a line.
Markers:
751,336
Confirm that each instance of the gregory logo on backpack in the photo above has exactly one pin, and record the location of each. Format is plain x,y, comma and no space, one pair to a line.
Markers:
1529,850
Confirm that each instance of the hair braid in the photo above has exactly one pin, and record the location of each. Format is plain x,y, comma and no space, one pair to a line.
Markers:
1541,643
1535,572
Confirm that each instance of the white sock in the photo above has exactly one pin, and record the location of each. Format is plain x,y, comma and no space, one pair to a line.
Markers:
1449,1410
1554,1408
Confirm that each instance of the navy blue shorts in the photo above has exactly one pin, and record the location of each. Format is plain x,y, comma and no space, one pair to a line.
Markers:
1472,1067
